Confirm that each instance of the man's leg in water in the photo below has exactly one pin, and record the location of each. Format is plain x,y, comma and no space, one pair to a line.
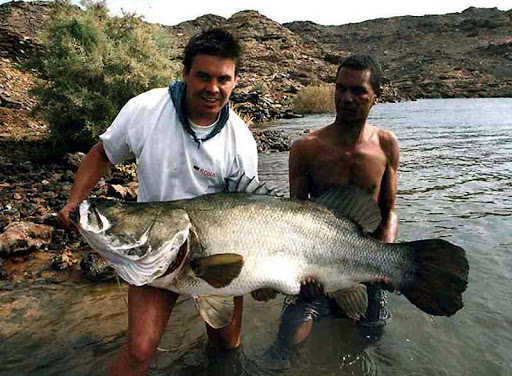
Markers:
377,315
223,351
295,326
300,312
149,309
297,320
227,338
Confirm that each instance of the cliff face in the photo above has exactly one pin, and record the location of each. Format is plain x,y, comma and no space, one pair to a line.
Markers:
467,54
20,25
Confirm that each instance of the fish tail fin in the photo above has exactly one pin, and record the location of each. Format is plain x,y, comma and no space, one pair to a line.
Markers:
437,278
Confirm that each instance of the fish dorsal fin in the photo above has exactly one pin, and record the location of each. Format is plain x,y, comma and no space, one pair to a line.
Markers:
218,270
354,203
216,311
246,184
354,302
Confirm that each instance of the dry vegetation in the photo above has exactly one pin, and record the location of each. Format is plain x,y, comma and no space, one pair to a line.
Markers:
315,100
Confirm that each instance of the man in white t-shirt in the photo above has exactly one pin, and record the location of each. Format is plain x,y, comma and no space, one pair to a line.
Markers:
187,142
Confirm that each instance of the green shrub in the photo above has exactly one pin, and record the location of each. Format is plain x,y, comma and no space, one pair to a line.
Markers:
92,64
314,100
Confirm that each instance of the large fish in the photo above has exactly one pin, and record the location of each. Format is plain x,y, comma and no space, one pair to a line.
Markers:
228,244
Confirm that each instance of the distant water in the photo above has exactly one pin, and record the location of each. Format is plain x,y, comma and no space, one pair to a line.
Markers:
455,182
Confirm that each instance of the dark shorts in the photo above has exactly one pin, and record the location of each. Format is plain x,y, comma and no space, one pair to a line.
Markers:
296,312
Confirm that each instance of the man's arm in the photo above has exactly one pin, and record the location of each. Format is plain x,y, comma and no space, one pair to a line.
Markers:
297,171
91,169
388,227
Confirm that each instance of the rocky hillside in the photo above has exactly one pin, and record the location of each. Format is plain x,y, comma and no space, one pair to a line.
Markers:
20,26
467,54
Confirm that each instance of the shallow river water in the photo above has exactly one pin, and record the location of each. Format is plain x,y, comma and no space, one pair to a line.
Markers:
455,182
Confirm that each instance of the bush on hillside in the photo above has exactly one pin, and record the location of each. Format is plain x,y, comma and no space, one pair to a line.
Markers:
92,64
314,100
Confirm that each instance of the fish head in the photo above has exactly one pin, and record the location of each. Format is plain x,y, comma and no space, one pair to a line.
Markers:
116,228
140,240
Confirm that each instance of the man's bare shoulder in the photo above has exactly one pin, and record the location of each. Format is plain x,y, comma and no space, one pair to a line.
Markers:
387,138
389,144
310,140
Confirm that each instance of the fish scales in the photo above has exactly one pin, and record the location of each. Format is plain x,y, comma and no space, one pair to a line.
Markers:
282,242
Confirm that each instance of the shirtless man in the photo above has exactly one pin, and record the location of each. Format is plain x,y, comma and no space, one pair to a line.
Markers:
348,151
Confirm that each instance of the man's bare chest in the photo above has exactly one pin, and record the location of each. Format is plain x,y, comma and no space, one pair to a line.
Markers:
364,168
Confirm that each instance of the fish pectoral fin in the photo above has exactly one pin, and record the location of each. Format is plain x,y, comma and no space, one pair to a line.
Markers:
216,311
218,270
353,302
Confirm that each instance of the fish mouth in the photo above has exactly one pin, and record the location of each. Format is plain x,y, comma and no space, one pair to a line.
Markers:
180,257
86,216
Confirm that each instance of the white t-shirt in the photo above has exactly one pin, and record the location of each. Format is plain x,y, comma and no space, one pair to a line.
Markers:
170,165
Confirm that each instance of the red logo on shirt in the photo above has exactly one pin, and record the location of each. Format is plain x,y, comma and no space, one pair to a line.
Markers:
202,171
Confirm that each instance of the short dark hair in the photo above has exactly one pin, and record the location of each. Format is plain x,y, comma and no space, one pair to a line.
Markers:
364,62
215,42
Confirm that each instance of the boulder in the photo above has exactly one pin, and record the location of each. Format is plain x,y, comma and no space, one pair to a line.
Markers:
24,236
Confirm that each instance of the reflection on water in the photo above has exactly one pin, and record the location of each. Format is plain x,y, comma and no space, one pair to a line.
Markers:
455,182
